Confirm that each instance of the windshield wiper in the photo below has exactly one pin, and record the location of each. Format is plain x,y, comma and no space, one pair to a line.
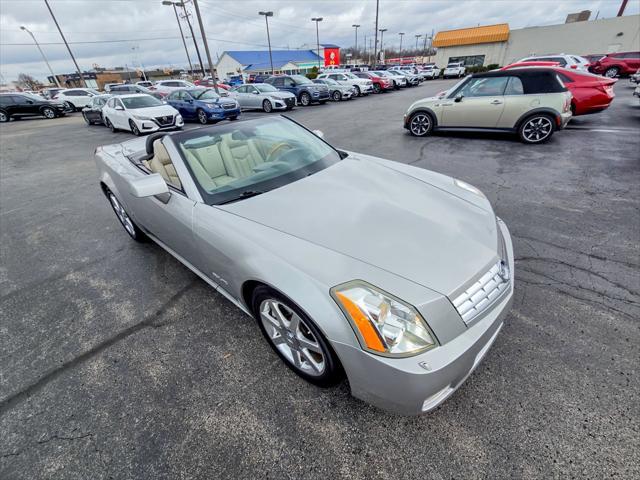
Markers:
242,196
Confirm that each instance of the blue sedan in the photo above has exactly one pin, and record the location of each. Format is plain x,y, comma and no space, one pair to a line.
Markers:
203,105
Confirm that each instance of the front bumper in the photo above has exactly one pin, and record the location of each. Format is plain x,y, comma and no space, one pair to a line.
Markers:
223,114
418,384
153,125
320,96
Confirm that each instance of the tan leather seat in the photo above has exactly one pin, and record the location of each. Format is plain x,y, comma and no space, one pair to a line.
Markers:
161,163
240,156
209,167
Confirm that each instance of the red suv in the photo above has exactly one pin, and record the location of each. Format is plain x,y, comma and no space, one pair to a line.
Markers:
380,84
614,64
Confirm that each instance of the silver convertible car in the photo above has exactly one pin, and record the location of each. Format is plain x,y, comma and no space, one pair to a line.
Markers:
397,277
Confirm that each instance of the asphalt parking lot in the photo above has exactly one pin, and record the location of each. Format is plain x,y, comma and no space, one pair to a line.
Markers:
117,362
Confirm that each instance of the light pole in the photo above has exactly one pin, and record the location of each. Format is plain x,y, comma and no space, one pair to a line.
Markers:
83,83
266,20
317,20
382,30
55,79
193,36
356,49
175,10
206,46
400,53
417,37
375,48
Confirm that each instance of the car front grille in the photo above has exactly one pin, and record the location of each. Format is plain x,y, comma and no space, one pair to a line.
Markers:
290,102
228,106
483,293
164,120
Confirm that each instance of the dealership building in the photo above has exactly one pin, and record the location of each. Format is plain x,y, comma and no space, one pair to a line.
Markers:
284,61
498,44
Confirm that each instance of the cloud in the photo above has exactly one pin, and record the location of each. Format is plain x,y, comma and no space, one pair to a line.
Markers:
236,25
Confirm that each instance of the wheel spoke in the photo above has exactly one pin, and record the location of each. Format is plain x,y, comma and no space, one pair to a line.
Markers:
305,343
311,361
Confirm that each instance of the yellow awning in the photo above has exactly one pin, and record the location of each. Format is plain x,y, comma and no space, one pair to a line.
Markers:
472,36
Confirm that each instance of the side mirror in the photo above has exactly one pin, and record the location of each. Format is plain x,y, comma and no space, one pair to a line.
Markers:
150,186
255,92
119,107
318,133
458,98
189,100
90,95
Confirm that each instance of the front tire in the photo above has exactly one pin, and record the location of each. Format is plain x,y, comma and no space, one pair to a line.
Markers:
611,72
536,129
267,107
420,124
202,116
336,96
377,88
134,128
129,225
358,91
110,126
4,116
87,121
305,99
295,338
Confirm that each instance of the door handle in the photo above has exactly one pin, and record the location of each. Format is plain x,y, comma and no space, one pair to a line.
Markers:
496,102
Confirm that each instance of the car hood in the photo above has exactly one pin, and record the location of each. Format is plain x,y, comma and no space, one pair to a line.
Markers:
280,94
385,217
159,111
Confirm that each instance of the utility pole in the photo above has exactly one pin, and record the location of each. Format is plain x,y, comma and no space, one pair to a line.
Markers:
195,43
67,45
266,19
623,5
55,79
317,20
417,37
400,53
365,42
206,46
382,30
424,48
375,50
175,10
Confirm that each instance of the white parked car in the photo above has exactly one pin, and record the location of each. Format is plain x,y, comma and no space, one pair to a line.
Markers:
412,78
430,71
455,69
165,87
76,98
363,86
566,61
140,113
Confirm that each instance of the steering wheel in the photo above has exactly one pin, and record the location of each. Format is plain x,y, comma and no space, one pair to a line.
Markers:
276,150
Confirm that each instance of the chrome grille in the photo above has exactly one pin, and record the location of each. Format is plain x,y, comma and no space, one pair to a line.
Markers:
165,120
481,295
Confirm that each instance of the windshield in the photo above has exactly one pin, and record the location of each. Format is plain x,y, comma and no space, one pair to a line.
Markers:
33,96
300,79
265,87
349,75
237,160
203,94
145,101
328,81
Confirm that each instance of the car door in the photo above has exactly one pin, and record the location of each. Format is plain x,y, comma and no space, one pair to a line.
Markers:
25,106
189,103
119,116
289,85
175,100
477,104
516,103
240,94
253,96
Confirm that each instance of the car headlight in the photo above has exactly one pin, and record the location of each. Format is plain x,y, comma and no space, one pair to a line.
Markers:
178,118
384,324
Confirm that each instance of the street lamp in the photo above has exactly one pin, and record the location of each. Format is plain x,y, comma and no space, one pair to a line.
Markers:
317,20
382,30
55,79
417,37
266,20
175,10
400,53
356,27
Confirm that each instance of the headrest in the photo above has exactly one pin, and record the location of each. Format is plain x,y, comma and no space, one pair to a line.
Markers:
151,139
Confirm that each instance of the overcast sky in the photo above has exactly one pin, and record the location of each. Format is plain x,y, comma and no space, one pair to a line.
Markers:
147,31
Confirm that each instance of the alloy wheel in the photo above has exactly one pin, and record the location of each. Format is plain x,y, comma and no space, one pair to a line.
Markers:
4,117
420,124
122,215
305,99
537,129
336,96
266,106
49,113
611,72
202,117
293,338
134,128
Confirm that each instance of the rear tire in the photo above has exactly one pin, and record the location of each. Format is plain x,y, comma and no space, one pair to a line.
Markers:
69,106
536,129
421,124
4,116
295,338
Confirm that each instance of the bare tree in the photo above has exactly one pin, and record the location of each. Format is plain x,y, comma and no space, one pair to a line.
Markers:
28,82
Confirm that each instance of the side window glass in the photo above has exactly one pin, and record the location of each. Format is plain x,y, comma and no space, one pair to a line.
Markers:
514,87
485,87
